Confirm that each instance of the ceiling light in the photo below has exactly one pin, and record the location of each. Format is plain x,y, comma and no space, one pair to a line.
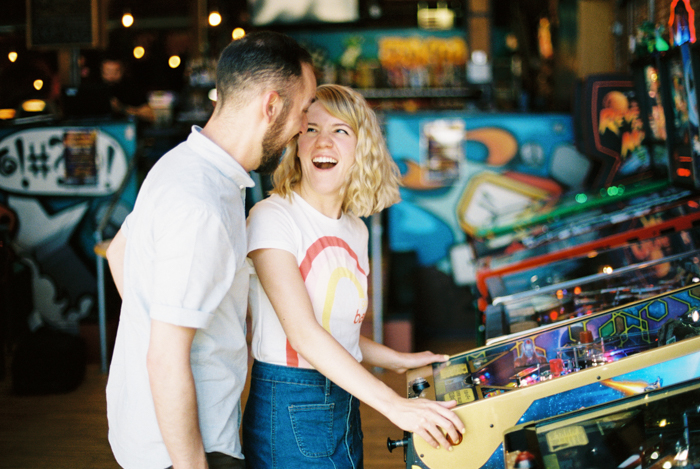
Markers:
214,18
127,19
238,33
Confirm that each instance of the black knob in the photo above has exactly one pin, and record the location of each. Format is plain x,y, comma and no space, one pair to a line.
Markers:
419,385
391,444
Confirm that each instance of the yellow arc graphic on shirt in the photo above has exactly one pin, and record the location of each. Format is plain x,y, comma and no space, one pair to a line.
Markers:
336,275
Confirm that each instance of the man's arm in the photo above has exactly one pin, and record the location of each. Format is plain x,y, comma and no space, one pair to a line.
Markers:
143,111
174,395
115,259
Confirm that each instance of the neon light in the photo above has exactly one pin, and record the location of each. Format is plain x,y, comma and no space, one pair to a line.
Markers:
691,20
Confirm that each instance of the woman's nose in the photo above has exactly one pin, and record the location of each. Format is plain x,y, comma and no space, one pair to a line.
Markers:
323,140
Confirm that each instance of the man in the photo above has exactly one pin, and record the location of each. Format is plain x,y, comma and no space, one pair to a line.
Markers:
125,98
180,357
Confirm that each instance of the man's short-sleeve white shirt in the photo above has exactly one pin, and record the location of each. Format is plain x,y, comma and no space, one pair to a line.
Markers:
184,264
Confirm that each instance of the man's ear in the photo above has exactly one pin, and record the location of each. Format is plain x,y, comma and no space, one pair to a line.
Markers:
272,105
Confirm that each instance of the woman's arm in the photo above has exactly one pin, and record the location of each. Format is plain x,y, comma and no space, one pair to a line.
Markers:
280,277
384,357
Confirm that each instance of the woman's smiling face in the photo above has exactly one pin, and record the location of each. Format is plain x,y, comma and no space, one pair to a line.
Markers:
326,152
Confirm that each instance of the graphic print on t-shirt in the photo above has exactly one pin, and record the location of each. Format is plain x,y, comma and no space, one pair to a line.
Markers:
337,286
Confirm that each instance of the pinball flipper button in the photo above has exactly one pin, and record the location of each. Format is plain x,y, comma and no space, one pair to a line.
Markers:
454,443
419,385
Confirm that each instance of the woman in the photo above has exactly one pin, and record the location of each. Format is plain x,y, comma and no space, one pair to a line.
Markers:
309,250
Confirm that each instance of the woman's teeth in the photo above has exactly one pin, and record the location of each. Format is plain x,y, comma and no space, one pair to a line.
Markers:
324,162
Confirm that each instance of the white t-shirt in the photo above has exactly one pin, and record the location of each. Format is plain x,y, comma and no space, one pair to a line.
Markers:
184,264
333,261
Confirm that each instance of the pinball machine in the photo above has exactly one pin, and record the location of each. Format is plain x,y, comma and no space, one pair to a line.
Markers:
678,215
583,208
657,429
592,263
553,369
607,288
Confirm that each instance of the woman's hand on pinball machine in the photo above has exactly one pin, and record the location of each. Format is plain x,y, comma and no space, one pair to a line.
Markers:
431,420
418,359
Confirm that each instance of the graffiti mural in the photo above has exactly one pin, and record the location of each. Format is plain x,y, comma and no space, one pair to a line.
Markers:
462,171
58,183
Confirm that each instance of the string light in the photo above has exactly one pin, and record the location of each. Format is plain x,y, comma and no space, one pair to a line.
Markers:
174,61
38,84
139,52
238,33
127,19
12,56
214,18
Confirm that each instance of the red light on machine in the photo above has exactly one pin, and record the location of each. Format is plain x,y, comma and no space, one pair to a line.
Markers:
577,290
683,172
560,294
553,316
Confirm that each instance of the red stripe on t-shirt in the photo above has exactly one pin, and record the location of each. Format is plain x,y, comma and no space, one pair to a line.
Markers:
321,244
292,356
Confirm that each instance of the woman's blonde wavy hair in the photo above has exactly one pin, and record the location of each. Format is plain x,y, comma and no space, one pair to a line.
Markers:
373,180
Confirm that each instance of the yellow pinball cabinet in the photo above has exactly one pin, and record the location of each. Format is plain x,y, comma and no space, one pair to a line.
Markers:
551,370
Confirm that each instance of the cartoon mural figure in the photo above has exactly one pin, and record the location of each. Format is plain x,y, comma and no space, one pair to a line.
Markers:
529,355
49,308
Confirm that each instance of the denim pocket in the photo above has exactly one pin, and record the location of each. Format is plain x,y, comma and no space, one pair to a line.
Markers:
313,429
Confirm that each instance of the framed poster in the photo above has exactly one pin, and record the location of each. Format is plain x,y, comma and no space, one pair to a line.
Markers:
80,156
442,150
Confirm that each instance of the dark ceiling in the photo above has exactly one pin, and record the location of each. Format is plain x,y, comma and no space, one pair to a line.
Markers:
400,13
165,27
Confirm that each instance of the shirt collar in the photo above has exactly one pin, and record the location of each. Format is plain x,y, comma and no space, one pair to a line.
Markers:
213,153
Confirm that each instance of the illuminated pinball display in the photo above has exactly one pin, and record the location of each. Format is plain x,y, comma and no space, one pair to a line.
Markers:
554,369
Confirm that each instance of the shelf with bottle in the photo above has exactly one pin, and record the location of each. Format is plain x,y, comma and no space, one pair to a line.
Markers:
466,92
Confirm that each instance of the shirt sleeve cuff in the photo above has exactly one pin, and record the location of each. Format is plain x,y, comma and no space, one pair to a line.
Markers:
180,316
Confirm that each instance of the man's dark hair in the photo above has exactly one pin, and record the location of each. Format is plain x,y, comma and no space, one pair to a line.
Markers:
262,58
